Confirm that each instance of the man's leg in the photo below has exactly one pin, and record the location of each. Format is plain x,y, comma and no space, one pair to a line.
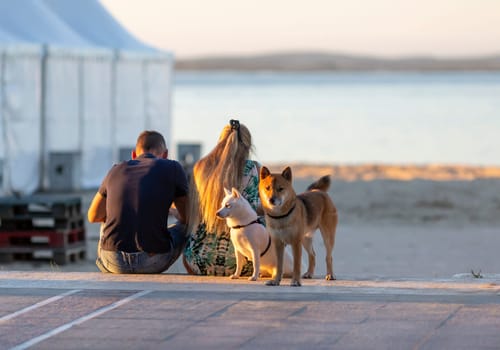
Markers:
179,240
100,265
116,262
159,263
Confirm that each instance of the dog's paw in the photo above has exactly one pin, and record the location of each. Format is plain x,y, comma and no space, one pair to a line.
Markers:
295,283
330,277
272,283
252,278
234,277
307,275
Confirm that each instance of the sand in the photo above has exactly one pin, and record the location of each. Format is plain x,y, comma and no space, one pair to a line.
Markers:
432,221
422,221
369,172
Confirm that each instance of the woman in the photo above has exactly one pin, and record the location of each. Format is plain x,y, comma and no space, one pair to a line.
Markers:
209,250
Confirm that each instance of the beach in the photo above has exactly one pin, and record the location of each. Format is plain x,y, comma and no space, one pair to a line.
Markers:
395,221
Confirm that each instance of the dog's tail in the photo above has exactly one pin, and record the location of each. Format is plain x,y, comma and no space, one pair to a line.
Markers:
323,184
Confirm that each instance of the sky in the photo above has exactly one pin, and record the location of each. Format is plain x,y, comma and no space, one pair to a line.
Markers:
385,28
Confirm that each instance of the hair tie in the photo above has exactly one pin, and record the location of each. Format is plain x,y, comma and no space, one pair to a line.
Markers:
235,125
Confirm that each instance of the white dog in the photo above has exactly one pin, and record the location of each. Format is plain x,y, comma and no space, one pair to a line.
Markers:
250,238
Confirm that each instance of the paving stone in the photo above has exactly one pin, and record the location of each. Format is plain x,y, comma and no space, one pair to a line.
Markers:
185,312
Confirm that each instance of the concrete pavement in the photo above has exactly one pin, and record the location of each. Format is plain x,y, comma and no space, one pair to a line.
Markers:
88,310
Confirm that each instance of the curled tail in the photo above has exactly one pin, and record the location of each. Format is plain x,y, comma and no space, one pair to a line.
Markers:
323,184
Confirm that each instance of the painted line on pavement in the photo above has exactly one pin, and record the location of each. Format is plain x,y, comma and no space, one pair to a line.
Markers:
80,320
37,305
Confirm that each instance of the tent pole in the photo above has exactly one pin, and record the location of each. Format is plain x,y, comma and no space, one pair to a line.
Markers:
4,171
81,119
168,112
43,119
114,82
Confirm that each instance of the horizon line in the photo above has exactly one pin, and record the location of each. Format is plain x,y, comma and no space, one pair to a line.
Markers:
264,53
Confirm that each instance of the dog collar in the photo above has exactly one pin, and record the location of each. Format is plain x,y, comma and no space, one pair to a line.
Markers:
256,221
281,216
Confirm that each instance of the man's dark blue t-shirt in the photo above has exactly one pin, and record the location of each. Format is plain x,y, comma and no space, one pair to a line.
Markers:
138,196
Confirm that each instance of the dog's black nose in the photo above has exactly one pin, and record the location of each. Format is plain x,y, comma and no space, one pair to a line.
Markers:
272,201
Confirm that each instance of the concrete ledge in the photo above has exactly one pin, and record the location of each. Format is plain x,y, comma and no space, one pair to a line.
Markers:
489,285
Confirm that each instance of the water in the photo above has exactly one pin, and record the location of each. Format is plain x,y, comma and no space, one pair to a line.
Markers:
451,118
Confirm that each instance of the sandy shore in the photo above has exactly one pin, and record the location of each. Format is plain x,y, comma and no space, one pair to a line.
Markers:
438,195
395,221
370,172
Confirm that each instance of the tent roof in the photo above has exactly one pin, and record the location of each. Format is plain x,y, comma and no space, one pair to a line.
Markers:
7,38
103,30
64,23
31,21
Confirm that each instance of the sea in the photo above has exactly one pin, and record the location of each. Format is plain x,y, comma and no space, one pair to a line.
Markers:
345,118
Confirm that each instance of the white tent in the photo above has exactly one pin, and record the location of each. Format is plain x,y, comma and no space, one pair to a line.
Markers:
75,87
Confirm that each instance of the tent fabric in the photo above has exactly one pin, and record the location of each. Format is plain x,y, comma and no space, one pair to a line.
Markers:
33,21
20,93
158,96
105,30
73,80
6,38
96,132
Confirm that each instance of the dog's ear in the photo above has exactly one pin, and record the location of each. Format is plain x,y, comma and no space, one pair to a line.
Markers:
227,192
235,193
287,174
264,172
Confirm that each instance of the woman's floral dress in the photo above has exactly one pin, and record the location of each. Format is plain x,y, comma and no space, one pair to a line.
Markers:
207,253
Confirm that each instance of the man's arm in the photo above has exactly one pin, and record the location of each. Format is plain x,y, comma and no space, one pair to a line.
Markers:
181,206
97,209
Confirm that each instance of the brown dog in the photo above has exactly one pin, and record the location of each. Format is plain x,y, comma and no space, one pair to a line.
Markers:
293,219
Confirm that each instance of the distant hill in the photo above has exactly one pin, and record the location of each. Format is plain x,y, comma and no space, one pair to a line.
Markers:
314,61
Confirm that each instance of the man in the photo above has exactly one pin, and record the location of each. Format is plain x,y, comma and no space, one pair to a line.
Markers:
133,203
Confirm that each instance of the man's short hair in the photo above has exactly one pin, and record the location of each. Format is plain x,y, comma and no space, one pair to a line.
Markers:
151,141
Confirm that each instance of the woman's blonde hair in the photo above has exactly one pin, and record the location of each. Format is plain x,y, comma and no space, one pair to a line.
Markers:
221,168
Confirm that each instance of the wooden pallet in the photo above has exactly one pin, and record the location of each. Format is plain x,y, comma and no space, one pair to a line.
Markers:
40,206
26,222
41,238
42,227
61,256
